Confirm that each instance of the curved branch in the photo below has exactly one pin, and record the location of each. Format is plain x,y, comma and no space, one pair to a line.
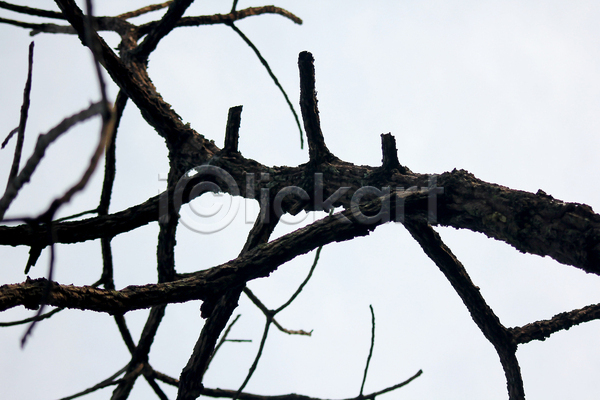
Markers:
482,314
41,146
225,18
541,330
162,28
134,80
272,75
144,10
31,11
256,263
532,223
87,229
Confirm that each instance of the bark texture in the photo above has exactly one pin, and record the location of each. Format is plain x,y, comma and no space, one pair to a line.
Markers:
534,223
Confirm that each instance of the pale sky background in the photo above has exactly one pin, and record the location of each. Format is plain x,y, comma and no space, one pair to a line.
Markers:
506,90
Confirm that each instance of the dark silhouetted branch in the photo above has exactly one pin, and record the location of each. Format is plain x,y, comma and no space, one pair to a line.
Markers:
482,314
144,10
390,154
261,347
163,28
362,386
270,313
31,11
272,75
224,337
232,131
318,151
14,170
541,330
31,319
40,149
105,383
217,310
225,18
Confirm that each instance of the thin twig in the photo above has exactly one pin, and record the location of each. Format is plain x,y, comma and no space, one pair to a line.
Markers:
9,136
397,386
224,337
14,170
362,386
37,28
272,75
125,334
31,11
42,144
144,10
107,382
106,131
225,18
257,358
81,214
293,396
147,371
140,356
268,312
312,269
30,319
485,318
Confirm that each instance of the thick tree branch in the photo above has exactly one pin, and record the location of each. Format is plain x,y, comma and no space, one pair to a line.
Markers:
163,28
217,311
256,263
134,80
541,330
482,314
532,223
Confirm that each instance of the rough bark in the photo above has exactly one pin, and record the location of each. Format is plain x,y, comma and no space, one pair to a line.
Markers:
532,223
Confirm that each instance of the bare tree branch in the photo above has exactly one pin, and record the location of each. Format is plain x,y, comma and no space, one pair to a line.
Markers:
362,386
14,170
318,151
166,25
272,75
144,10
541,330
31,11
482,314
101,385
40,149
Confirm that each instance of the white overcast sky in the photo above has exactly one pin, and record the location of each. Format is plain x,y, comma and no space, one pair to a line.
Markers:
506,90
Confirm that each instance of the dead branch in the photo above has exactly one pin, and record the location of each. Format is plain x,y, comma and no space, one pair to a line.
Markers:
40,149
541,330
